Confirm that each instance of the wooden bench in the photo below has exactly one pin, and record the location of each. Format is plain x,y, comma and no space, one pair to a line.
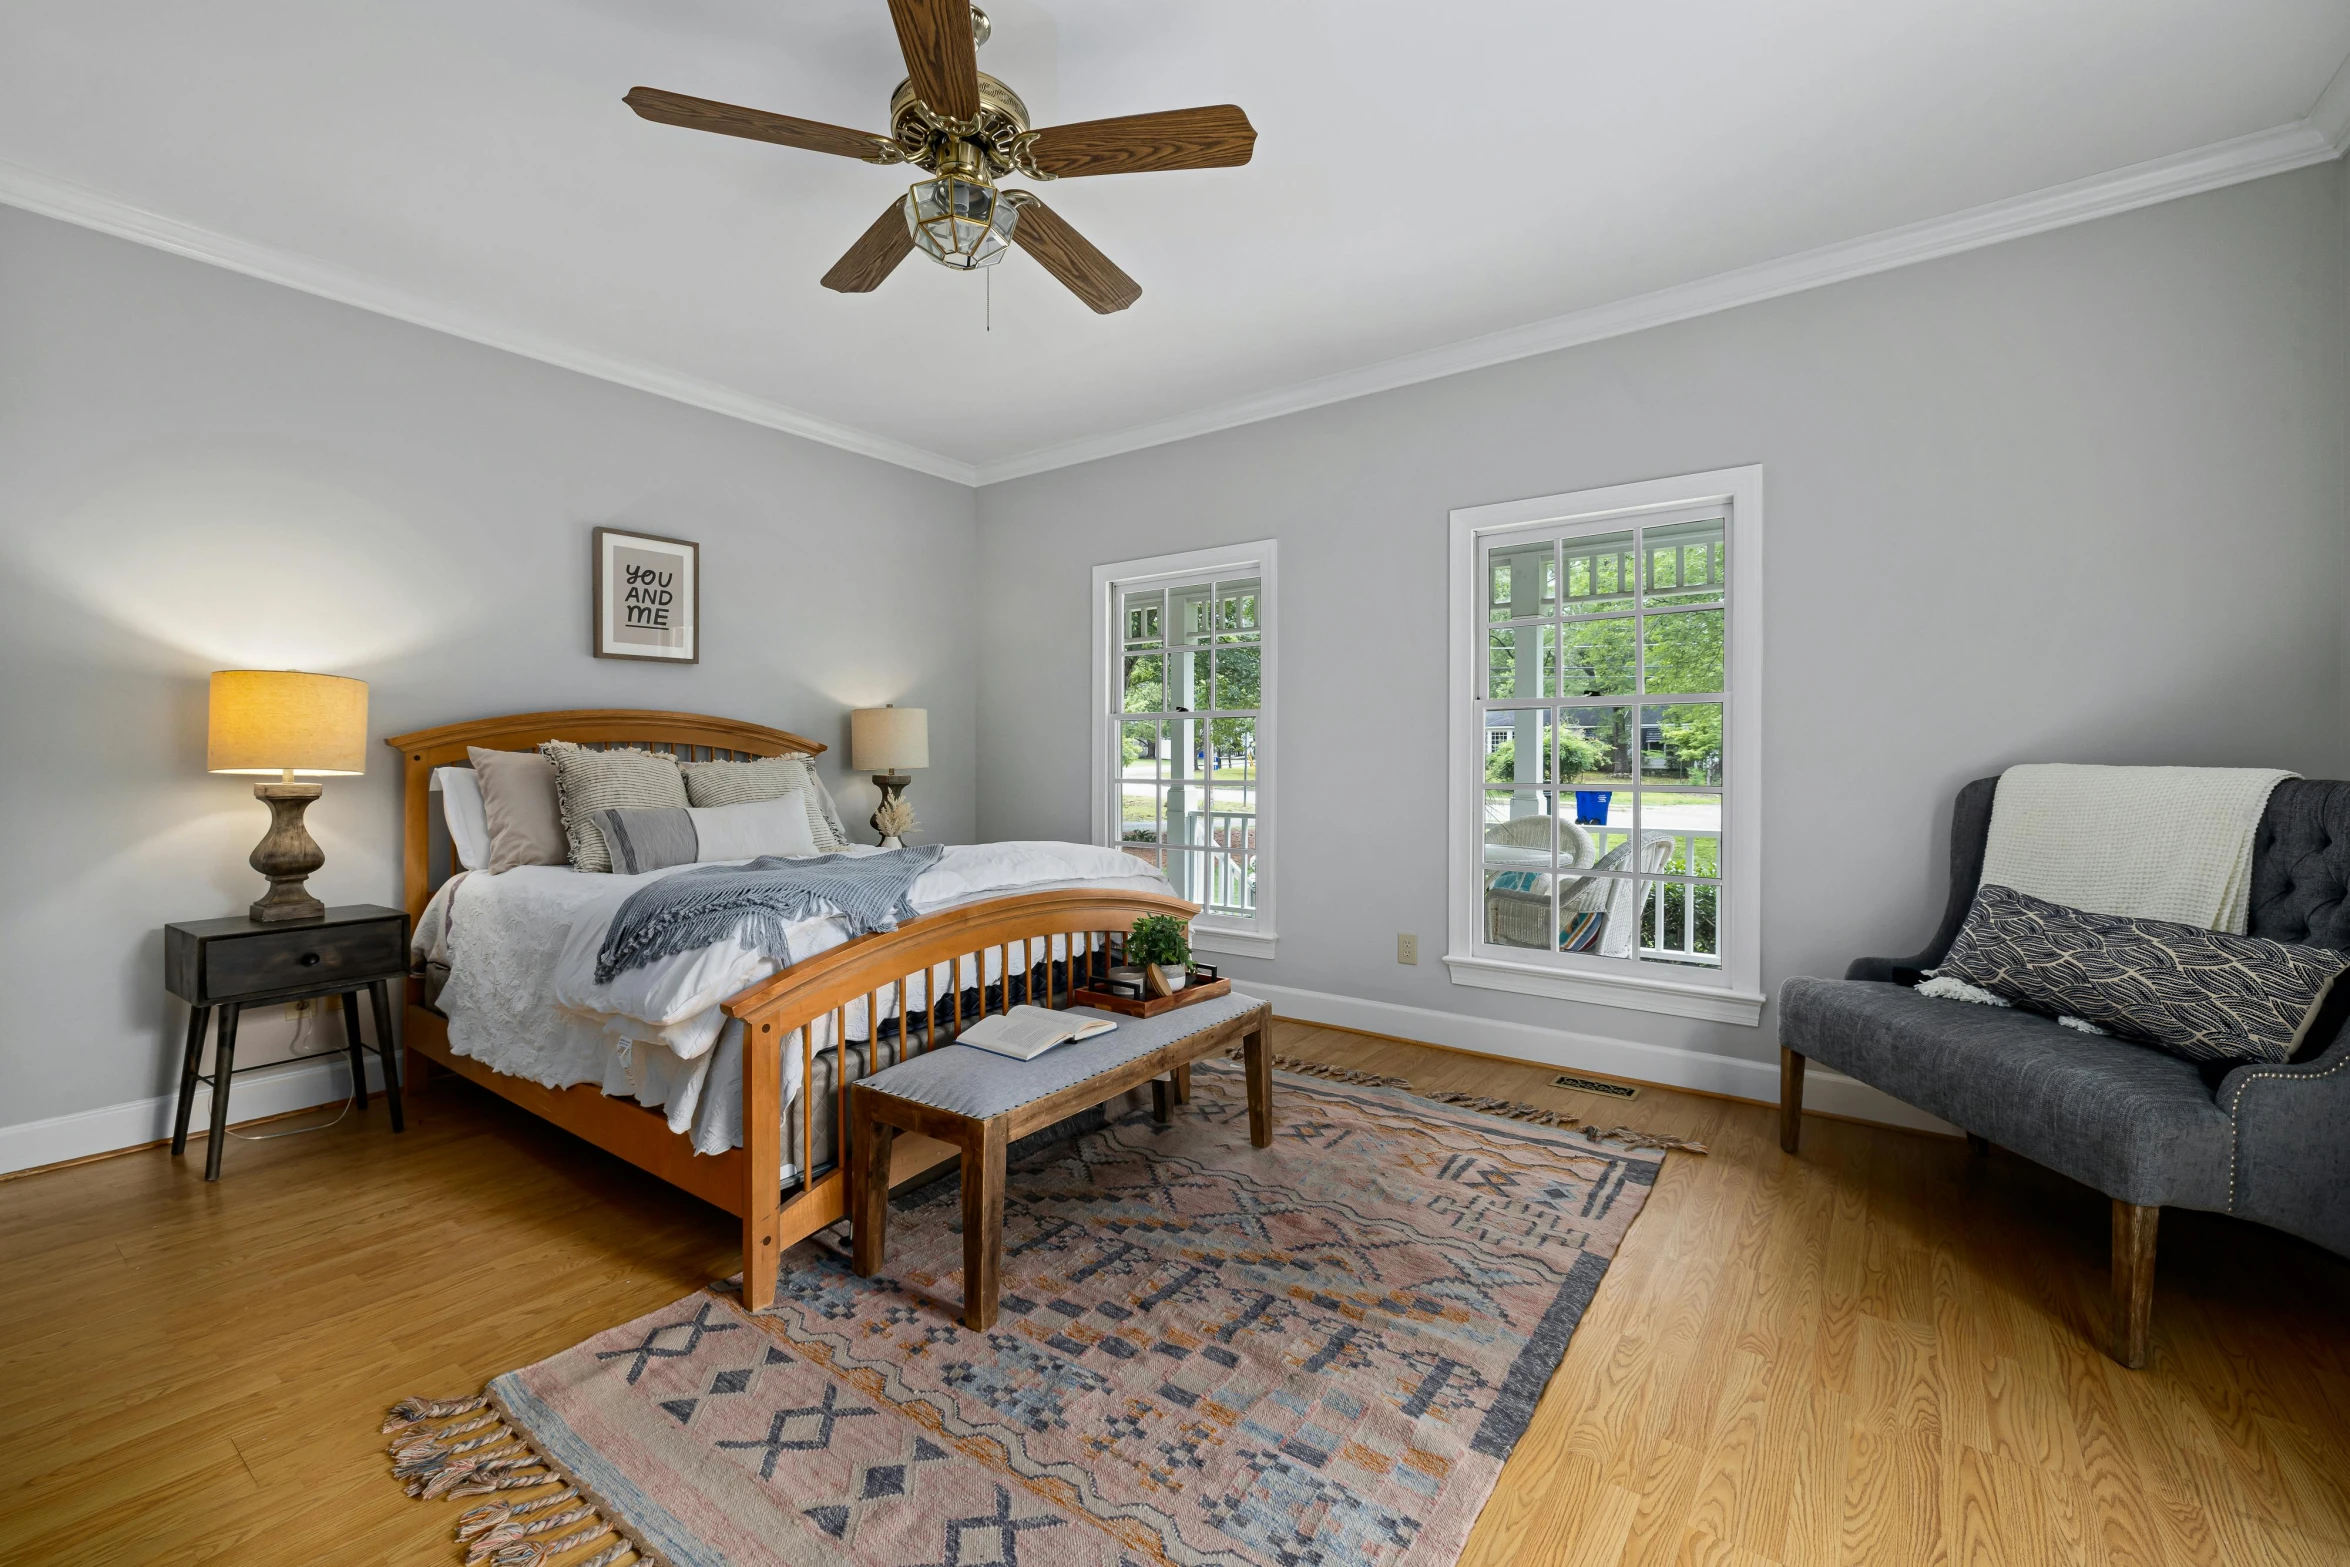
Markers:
982,1103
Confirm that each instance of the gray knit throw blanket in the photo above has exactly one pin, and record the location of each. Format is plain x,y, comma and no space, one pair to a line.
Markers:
695,908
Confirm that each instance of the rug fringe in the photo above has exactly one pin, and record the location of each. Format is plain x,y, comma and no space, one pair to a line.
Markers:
1297,1067
1519,1110
458,1447
1507,1109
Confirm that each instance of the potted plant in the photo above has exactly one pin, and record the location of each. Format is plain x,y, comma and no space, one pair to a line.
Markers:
1160,942
895,819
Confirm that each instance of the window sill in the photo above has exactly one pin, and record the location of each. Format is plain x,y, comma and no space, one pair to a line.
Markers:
1235,943
1608,990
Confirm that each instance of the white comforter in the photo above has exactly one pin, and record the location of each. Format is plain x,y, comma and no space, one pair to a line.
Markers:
522,996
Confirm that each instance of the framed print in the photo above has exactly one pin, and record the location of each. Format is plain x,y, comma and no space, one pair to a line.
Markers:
648,601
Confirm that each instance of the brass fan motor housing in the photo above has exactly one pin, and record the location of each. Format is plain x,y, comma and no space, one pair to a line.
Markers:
997,131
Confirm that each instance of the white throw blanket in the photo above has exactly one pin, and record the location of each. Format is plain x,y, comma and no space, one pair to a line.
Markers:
2159,843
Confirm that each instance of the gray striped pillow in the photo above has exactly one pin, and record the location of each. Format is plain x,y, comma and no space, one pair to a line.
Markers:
765,778
590,781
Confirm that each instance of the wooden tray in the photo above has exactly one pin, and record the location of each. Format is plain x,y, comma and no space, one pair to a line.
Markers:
1152,1006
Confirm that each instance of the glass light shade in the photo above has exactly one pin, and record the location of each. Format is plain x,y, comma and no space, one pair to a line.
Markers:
281,720
960,222
889,739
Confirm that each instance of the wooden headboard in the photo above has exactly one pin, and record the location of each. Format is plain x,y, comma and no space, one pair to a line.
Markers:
690,737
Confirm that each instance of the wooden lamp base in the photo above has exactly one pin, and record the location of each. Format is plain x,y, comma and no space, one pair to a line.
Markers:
287,854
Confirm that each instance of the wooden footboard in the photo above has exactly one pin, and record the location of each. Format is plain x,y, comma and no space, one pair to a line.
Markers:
1018,933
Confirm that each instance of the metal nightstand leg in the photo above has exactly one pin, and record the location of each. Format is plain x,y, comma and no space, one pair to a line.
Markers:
390,1052
197,1018
358,1051
224,1066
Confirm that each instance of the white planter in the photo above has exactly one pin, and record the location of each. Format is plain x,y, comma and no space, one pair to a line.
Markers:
1172,975
891,842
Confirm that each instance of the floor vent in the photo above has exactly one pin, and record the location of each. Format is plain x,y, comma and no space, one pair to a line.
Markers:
1592,1085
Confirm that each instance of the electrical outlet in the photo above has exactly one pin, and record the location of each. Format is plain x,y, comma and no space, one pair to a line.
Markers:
301,1008
1407,949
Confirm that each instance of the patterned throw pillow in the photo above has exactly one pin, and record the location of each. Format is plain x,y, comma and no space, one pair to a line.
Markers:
589,781
2201,994
765,778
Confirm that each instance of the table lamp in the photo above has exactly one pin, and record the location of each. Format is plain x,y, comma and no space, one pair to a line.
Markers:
883,740
291,724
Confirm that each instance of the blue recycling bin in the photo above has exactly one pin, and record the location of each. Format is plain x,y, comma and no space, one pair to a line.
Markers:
1591,806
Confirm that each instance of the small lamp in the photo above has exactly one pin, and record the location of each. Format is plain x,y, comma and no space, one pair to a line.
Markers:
960,220
285,722
882,740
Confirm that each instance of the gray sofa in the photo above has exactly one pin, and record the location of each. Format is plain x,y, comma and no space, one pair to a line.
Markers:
2268,1143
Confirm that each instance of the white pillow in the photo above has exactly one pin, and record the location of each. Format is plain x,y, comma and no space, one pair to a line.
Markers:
743,832
461,808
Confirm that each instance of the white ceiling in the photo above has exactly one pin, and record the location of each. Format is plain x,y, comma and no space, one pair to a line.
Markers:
1424,174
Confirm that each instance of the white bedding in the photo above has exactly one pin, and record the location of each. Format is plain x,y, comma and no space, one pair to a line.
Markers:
522,996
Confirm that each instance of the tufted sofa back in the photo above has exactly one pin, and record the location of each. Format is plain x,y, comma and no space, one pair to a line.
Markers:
2301,865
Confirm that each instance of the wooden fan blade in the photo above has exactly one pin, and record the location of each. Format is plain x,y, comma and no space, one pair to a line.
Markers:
703,114
875,255
1070,256
1219,137
941,58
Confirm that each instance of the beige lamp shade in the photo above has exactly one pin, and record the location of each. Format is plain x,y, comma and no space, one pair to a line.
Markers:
889,739
281,720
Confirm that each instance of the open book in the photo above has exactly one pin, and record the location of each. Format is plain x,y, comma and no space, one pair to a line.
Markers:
1026,1032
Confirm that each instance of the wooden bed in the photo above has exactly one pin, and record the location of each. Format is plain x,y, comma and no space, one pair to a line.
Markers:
748,1181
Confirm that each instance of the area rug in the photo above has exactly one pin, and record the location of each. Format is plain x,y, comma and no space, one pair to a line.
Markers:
1310,1355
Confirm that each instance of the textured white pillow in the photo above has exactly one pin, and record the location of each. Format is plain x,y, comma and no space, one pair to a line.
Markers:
461,808
743,832
710,784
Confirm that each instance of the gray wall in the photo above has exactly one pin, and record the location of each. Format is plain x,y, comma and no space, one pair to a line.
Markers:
2078,497
198,470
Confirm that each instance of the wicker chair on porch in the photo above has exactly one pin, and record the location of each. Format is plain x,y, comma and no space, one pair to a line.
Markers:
1520,916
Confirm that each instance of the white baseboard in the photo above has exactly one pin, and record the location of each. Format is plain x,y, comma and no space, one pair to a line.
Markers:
1831,1093
297,1085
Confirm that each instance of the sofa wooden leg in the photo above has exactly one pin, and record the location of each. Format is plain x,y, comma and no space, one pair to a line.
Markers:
2133,1281
1790,1100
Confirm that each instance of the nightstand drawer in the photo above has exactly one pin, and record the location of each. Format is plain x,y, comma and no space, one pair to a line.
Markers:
313,957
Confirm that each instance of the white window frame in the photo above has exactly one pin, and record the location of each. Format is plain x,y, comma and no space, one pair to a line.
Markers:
1255,938
1732,993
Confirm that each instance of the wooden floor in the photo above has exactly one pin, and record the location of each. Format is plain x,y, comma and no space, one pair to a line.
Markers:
1883,1353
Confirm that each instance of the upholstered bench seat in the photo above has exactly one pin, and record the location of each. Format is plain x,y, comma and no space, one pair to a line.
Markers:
966,1080
982,1102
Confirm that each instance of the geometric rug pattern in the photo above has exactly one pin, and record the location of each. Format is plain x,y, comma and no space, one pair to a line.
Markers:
1309,1355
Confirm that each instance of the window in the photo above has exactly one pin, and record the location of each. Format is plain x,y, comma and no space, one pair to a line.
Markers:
1183,731
1606,652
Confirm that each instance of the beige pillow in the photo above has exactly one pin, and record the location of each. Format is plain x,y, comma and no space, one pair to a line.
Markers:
518,799
712,784
590,781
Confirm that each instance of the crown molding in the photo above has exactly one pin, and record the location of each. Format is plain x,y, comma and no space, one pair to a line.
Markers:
52,197
2140,185
2322,136
2331,114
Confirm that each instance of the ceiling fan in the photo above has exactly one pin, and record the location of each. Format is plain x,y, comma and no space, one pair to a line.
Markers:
966,128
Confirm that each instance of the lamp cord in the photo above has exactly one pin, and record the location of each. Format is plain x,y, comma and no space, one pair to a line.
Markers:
294,1052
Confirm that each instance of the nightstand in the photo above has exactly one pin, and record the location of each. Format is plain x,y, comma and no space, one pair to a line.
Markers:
230,964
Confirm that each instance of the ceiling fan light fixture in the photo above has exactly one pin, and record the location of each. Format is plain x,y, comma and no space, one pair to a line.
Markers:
961,220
